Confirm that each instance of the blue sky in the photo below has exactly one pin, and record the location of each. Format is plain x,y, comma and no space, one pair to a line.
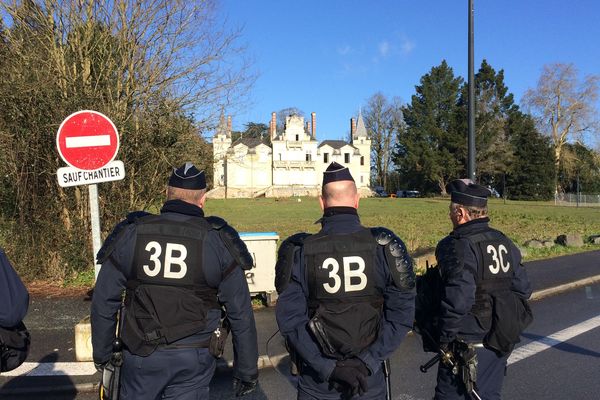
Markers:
330,56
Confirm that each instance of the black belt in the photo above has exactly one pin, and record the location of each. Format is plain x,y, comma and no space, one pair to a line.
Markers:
197,345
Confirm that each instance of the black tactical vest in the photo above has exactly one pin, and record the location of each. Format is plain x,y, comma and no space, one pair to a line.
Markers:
496,268
344,300
498,309
167,297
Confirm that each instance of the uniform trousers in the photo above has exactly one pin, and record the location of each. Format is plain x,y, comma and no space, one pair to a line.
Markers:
491,370
311,387
181,374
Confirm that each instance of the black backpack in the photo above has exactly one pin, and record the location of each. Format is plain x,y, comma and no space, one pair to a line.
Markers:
427,308
14,346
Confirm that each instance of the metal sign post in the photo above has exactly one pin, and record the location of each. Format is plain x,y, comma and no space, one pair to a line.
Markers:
88,142
95,220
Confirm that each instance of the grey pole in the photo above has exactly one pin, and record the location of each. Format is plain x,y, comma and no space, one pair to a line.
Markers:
471,141
95,220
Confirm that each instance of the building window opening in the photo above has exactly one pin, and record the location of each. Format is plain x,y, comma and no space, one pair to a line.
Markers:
362,161
347,158
325,158
297,138
362,179
308,157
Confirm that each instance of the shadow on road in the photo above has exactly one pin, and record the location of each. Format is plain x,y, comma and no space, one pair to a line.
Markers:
41,387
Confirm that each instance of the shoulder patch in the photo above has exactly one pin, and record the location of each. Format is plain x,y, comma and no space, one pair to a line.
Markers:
216,222
397,258
285,260
231,238
449,256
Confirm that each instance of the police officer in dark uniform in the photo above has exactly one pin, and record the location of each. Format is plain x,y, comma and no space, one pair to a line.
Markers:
177,269
346,297
14,338
483,283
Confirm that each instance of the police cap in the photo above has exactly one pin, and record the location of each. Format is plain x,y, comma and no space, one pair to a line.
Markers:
467,193
188,177
336,172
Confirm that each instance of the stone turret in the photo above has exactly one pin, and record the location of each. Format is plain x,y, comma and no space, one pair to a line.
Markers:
221,143
361,140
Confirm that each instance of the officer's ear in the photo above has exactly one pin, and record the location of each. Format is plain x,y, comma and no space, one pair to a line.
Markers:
322,203
356,200
202,200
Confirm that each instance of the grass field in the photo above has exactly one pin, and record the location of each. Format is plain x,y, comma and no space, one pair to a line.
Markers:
421,223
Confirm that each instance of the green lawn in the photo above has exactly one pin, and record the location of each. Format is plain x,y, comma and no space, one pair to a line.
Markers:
421,223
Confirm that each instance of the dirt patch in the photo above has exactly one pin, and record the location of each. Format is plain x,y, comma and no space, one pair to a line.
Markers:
53,289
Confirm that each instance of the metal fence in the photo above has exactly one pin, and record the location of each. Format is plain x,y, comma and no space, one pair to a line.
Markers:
577,200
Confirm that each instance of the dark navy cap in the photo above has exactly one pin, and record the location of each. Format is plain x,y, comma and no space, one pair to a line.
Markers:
188,177
336,172
468,193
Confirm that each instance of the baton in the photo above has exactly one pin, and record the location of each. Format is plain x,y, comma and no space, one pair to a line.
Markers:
430,363
388,381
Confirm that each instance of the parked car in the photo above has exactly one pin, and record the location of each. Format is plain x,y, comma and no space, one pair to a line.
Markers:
408,193
379,191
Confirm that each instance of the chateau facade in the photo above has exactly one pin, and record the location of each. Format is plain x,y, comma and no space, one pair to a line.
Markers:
292,165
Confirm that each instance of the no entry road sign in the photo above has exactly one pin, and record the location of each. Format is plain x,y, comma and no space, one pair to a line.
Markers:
87,140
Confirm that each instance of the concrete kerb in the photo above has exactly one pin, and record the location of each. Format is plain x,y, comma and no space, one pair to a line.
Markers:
265,361
33,390
540,294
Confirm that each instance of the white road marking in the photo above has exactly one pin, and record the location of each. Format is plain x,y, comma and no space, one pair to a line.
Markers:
53,369
87,141
557,338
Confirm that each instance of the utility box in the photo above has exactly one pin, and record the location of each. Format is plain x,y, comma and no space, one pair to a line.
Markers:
261,278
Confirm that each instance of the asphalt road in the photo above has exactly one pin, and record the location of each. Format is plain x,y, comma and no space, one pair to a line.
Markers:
567,369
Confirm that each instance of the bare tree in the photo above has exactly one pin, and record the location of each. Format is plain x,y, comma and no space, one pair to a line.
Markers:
383,120
287,112
563,106
160,69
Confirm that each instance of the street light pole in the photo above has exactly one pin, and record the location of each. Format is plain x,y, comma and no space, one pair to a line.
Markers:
471,141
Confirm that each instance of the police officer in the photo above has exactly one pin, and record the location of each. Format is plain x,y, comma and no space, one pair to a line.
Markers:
482,284
177,269
14,338
346,297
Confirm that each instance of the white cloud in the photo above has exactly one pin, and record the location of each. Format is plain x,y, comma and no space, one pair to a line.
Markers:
344,50
406,45
384,48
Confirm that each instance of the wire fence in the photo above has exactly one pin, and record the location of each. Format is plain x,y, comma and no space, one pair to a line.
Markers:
577,200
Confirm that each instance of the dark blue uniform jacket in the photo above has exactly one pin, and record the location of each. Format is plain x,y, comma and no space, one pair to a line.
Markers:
232,293
293,314
14,298
458,297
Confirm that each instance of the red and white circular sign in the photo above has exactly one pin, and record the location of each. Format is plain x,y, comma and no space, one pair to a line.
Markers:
87,140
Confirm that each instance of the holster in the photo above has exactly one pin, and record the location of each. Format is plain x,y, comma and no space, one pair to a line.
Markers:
216,345
110,385
466,360
295,361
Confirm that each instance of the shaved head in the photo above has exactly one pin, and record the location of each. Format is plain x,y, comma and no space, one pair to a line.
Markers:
190,196
340,193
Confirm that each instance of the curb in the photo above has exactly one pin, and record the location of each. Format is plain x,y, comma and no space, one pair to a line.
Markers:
264,361
540,294
75,388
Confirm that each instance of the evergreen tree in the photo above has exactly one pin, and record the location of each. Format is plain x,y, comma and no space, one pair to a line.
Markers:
430,152
531,176
494,153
